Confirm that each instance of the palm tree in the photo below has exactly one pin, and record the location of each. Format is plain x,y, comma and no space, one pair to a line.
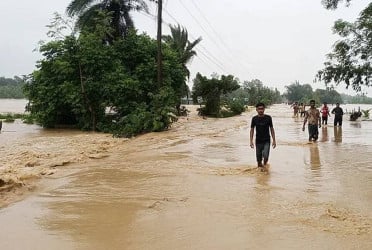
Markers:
121,20
178,40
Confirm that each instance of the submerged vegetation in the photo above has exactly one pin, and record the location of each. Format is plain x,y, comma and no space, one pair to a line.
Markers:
81,76
11,117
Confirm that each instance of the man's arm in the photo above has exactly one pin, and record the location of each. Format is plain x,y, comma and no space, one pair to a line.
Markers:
305,120
273,136
319,120
251,137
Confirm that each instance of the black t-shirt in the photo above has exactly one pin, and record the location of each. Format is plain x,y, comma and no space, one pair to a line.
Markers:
262,124
338,112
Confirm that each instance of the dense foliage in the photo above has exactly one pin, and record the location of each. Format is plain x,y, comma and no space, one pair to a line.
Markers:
304,93
11,87
80,78
179,42
120,20
351,58
358,99
211,91
256,92
298,92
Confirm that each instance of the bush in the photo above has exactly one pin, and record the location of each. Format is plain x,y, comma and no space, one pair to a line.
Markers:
236,106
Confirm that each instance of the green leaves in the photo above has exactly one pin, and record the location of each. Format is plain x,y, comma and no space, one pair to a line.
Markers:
211,91
351,58
80,78
333,4
120,20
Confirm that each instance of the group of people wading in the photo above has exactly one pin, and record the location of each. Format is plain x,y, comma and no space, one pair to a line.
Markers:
262,124
315,118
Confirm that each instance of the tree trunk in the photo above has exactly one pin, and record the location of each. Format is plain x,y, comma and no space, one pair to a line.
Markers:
87,102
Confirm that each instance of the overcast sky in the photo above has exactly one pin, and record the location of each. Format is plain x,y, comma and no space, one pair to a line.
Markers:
275,41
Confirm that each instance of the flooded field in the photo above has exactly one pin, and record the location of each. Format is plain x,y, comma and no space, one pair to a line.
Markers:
195,186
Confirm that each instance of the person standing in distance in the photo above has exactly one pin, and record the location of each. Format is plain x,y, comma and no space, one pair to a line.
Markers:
264,127
325,113
312,116
338,115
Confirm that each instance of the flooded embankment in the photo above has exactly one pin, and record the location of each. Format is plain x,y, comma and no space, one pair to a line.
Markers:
195,186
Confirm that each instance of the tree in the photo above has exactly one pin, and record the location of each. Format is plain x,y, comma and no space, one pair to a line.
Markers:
256,92
121,20
11,87
211,91
350,60
296,92
179,42
333,4
78,78
327,95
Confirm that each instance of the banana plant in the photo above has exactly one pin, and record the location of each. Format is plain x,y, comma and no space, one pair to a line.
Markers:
366,113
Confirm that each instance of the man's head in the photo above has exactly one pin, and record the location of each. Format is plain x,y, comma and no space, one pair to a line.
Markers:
260,108
325,103
337,104
312,103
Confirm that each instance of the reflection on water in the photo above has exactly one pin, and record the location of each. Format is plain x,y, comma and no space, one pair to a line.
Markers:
337,132
314,157
195,186
324,134
357,124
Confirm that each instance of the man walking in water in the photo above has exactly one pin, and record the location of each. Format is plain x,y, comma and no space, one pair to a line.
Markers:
338,115
325,113
313,117
264,127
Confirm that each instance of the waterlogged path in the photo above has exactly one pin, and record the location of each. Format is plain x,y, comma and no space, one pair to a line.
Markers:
193,187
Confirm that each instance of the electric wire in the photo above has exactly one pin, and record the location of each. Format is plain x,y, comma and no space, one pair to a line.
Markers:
205,53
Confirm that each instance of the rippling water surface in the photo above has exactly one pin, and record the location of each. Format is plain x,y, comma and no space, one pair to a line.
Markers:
196,187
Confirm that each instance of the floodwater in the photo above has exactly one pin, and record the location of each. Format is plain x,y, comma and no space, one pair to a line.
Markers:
195,186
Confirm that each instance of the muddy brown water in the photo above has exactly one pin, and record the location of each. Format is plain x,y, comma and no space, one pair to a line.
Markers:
193,187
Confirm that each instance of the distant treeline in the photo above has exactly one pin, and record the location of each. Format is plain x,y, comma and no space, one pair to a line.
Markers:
11,87
358,99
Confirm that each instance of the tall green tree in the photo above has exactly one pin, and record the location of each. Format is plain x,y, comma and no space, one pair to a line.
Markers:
256,92
327,95
350,62
78,78
297,92
211,91
121,20
179,42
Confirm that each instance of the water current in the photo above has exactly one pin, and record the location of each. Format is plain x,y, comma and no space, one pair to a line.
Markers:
195,186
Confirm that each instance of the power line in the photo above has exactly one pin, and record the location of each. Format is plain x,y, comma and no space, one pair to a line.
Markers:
206,54
210,25
200,45
227,51
230,53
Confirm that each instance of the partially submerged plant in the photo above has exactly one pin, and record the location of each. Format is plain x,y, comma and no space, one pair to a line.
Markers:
366,113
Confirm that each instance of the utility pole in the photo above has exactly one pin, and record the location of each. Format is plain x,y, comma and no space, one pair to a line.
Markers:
160,57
